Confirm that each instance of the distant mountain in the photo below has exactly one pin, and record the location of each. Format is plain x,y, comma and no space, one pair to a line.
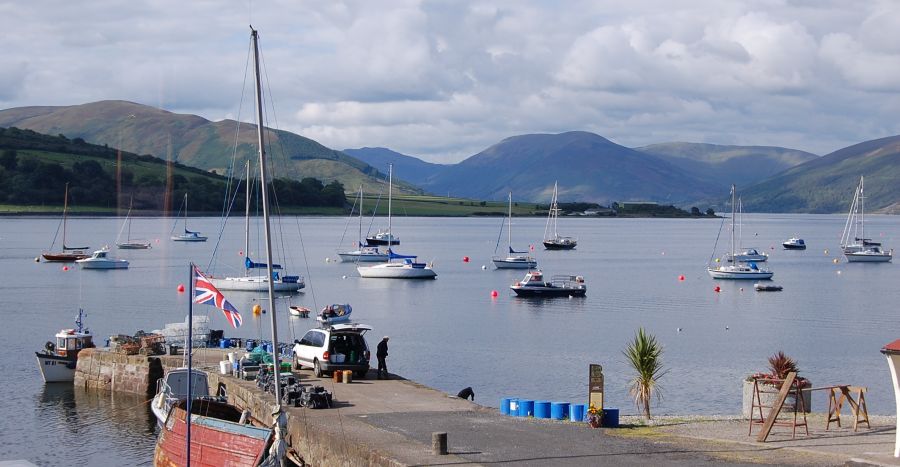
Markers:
195,141
743,165
826,184
409,168
588,167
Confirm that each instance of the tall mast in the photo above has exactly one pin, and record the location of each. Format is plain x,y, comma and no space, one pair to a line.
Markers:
185,212
509,223
732,222
128,218
390,186
265,205
862,211
247,218
359,237
555,209
65,208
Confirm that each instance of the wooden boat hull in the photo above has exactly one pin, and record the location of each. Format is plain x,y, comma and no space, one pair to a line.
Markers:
64,257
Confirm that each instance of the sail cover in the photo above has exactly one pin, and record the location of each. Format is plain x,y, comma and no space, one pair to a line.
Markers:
249,264
393,255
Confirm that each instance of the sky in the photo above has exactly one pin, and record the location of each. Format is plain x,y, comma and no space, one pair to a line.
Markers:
444,80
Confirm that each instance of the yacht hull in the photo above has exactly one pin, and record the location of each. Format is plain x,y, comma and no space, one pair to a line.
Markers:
396,271
868,258
254,284
514,263
740,275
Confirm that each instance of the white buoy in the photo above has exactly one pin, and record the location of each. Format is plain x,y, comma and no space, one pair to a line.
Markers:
678,329
327,260
726,328
37,259
344,276
483,267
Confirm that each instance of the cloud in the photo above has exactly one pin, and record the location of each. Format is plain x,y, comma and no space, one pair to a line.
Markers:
446,79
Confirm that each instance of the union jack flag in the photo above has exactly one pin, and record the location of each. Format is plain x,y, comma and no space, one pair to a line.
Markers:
208,294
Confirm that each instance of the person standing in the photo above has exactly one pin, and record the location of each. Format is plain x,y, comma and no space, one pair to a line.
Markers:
382,353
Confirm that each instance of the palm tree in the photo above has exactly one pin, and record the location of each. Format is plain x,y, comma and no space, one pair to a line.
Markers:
643,355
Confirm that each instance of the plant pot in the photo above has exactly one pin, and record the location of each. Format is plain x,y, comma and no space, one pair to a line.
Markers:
595,422
767,396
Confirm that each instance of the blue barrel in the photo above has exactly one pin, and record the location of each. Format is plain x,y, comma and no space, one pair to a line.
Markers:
251,344
541,409
576,412
559,410
513,406
504,406
224,343
526,408
610,418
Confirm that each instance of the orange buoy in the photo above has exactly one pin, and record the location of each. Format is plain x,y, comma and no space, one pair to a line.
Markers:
494,293
180,288
257,309
717,289
681,277
465,259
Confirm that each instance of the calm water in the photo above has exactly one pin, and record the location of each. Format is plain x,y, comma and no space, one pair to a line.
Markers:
449,333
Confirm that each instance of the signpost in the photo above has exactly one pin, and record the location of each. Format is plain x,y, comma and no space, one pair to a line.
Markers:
595,385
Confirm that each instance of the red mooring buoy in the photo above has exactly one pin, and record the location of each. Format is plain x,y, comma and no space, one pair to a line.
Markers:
180,288
681,277
494,293
465,259
717,289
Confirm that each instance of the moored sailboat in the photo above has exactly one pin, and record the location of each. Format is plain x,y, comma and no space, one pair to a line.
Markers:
556,241
515,259
130,244
363,253
737,270
385,237
68,253
188,235
860,249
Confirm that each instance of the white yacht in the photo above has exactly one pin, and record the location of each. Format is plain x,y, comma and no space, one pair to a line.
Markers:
738,270
856,247
407,268
101,260
515,259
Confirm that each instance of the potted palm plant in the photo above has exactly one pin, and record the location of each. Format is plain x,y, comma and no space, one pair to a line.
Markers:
769,384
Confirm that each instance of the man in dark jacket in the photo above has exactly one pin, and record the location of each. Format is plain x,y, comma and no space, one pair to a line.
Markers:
382,353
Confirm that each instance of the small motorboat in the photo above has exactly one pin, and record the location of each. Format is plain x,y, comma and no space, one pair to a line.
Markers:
337,313
533,285
57,361
794,243
747,255
299,311
767,287
101,260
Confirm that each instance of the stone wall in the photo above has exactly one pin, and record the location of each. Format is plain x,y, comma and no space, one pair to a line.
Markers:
108,371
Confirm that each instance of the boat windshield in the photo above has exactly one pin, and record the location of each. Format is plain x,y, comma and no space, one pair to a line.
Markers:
176,383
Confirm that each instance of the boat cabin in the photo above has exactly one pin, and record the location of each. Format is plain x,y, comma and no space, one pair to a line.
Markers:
70,342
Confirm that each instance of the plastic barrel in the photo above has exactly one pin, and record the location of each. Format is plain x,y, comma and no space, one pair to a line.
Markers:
224,343
514,406
504,406
610,418
559,410
577,412
526,408
542,409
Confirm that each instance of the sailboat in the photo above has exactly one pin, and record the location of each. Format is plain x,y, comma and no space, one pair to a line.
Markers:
256,282
860,249
363,254
130,244
747,254
738,270
406,268
68,254
188,236
385,237
556,242
515,259
222,434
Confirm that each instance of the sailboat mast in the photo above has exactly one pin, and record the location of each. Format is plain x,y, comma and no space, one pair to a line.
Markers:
185,212
509,224
862,211
65,208
359,237
247,218
390,189
265,205
128,218
732,222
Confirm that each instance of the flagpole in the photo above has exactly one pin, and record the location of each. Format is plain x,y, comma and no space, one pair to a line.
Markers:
187,348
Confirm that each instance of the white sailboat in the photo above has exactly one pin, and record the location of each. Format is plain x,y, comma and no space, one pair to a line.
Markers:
556,241
747,254
515,259
363,253
738,271
860,249
188,236
385,237
406,268
250,282
130,244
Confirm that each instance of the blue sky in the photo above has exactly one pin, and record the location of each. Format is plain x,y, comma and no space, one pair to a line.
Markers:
443,80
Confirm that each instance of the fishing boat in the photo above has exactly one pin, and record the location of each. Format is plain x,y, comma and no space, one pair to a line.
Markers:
363,253
747,254
68,253
172,389
251,282
338,313
534,285
130,244
854,244
737,270
101,260
556,241
515,259
794,243
57,360
188,236
385,237
218,433
406,268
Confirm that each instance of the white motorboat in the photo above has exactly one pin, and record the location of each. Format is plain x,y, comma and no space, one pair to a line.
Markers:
856,247
515,259
173,388
58,360
748,254
337,313
407,268
187,235
794,243
130,244
363,253
737,270
556,241
101,260
533,285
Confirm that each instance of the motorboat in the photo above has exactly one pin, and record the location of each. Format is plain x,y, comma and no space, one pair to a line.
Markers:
406,268
737,270
173,388
534,285
57,360
338,313
748,254
68,253
794,243
556,241
101,260
188,235
514,259
861,249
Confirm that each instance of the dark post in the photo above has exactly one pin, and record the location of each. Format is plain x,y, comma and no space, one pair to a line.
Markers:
439,443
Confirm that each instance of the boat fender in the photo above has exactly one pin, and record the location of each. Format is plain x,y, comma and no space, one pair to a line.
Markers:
160,401
49,346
